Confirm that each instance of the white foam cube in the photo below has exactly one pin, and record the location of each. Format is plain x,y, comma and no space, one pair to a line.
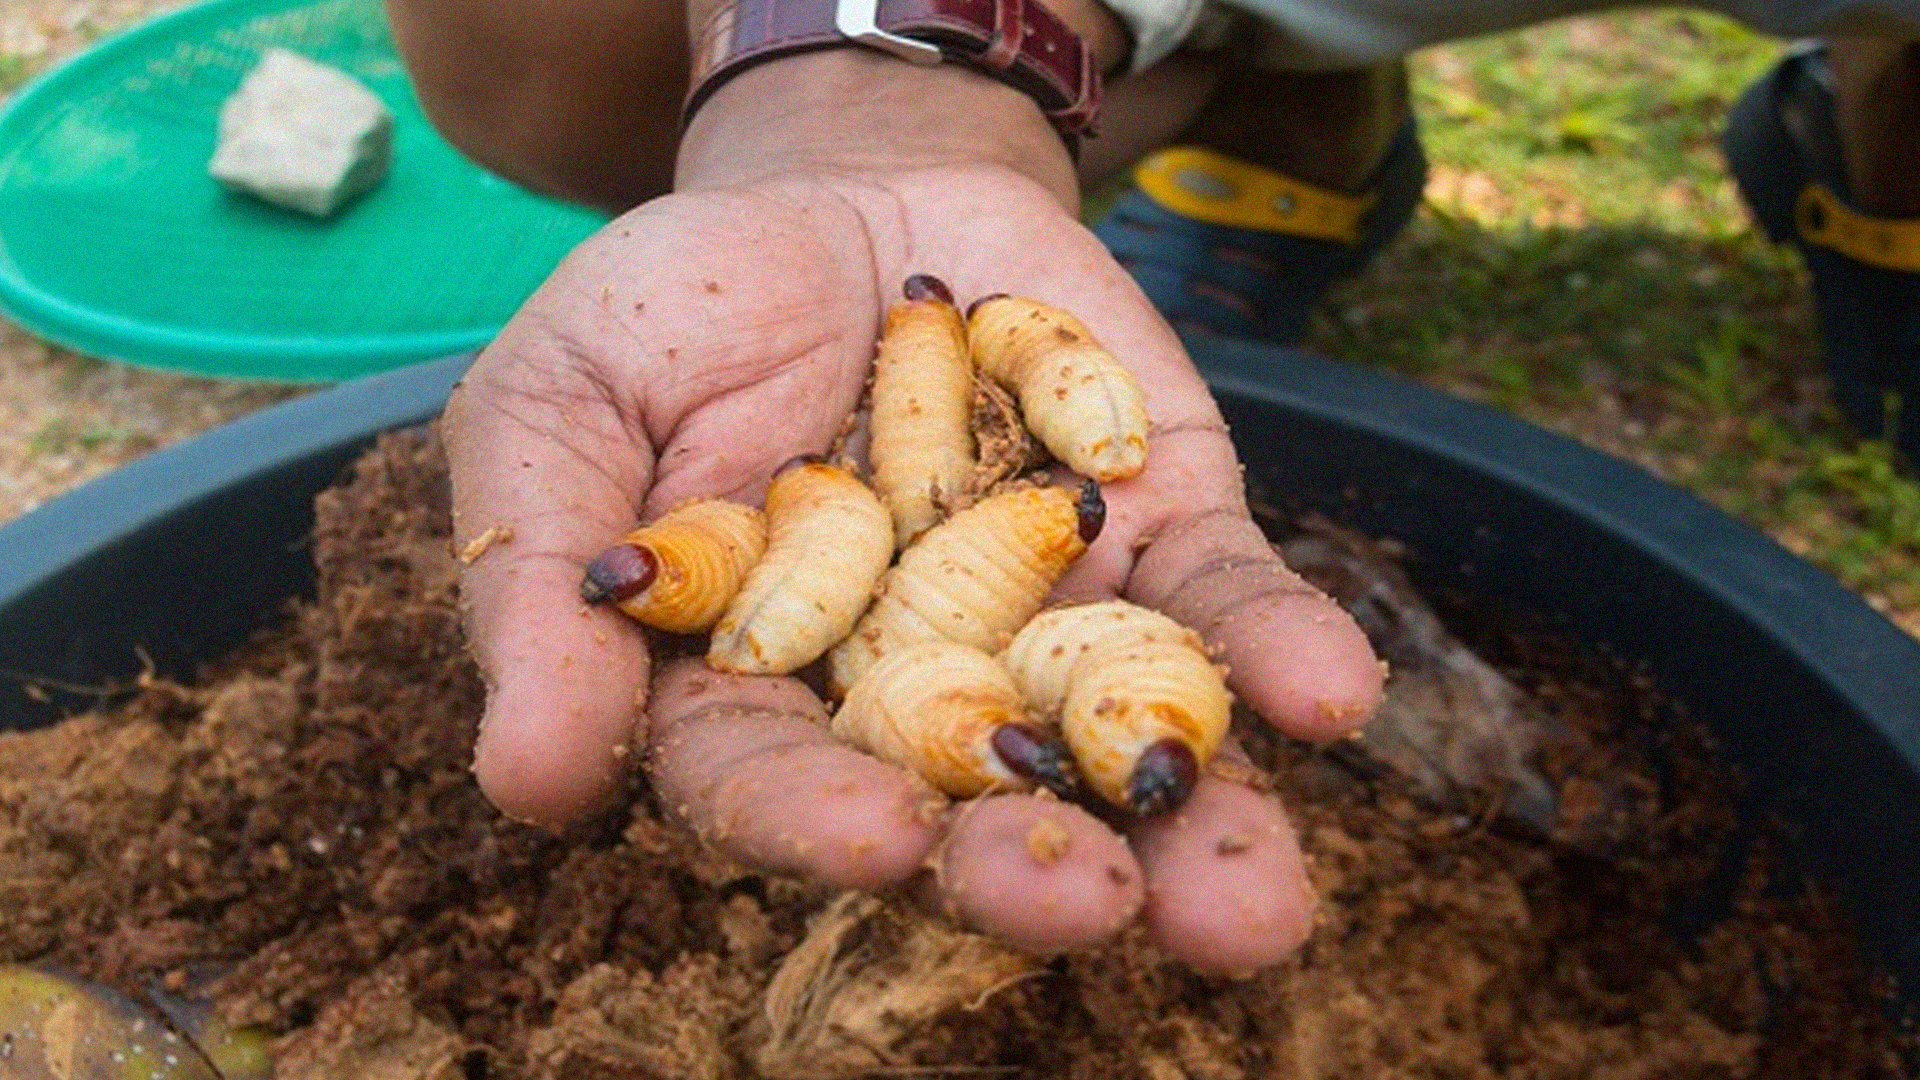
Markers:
303,135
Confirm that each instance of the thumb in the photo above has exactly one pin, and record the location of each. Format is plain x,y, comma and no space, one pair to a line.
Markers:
545,476
1293,654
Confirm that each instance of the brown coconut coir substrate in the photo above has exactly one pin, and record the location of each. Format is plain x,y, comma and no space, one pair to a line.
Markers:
297,839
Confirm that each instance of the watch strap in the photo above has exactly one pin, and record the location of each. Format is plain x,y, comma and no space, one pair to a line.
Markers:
1018,42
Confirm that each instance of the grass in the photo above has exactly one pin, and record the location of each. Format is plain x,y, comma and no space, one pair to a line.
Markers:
64,436
1583,260
14,72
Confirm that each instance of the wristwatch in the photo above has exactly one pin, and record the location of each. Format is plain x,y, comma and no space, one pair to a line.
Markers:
1017,42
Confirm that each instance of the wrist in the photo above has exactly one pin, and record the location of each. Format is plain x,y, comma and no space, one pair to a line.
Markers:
1104,33
908,81
856,109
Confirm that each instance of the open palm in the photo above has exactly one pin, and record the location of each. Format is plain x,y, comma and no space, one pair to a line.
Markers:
698,342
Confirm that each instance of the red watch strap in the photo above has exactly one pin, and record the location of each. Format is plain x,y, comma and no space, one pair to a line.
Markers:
1018,42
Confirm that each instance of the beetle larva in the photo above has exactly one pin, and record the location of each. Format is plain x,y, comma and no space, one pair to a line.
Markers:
1077,399
1140,703
975,577
951,713
679,572
828,541
922,441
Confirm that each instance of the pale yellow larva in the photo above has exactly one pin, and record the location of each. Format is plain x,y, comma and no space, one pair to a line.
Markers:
679,572
1140,703
976,577
922,441
828,540
951,713
1079,401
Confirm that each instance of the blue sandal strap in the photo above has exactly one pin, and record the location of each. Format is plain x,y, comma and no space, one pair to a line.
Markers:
1868,309
1258,283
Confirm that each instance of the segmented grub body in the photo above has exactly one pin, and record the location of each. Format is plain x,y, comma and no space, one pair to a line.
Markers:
1139,701
828,540
1083,404
679,572
922,440
935,707
974,578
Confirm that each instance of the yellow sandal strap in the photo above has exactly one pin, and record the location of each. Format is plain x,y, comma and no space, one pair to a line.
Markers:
1198,183
1890,244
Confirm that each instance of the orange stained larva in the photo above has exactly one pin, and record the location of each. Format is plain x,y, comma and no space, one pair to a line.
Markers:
828,541
1139,701
1077,399
1018,542
922,444
679,572
935,708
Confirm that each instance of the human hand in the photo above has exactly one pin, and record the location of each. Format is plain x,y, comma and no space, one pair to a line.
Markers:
703,339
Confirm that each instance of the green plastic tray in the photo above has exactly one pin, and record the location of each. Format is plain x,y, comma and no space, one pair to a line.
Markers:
115,242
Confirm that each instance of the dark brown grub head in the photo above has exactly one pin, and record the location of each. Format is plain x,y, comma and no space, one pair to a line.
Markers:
620,572
975,306
1092,510
1038,754
800,461
1162,778
926,287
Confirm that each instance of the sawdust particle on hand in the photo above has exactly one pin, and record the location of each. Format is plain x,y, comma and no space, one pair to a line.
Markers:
1048,842
1233,844
479,545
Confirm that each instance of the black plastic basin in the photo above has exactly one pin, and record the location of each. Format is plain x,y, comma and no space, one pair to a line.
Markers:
176,558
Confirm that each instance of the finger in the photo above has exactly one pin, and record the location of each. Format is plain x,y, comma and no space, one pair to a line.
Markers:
1292,654
1227,889
747,761
545,475
1037,873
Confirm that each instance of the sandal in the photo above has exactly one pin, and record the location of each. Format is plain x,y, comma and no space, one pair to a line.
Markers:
1227,247
1783,146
